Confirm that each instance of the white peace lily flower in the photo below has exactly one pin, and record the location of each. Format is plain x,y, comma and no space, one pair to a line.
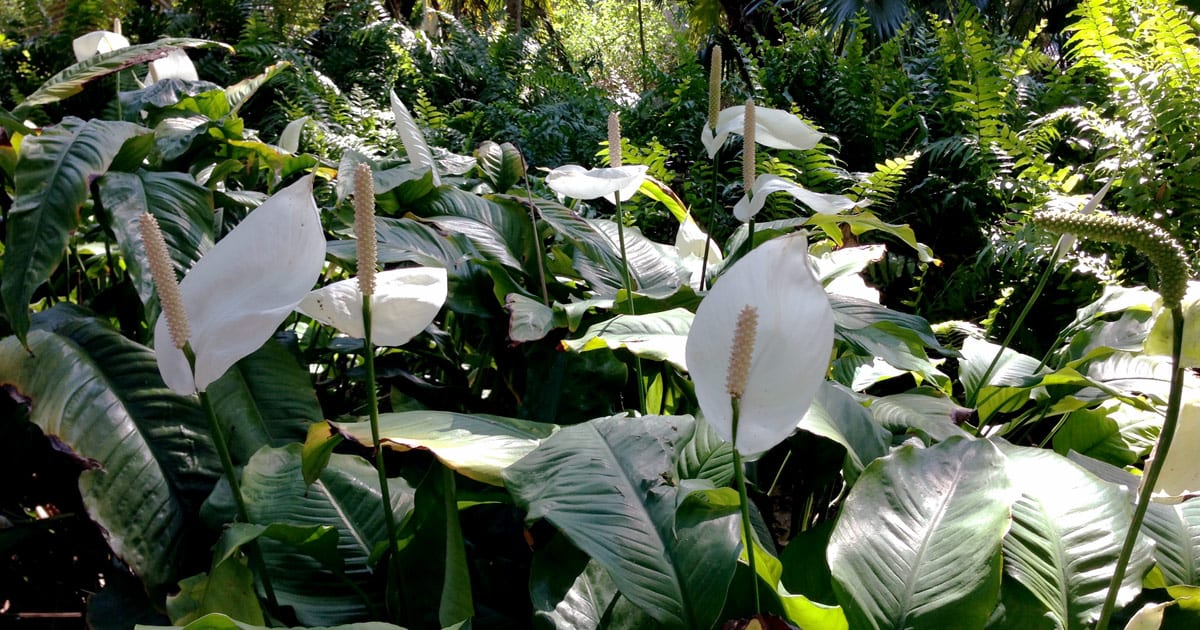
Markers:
773,128
822,203
577,182
97,42
792,340
176,65
244,287
689,244
405,302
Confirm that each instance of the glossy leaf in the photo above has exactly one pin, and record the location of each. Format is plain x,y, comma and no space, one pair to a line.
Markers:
476,445
345,496
217,621
71,80
1067,530
837,416
1113,432
436,551
935,417
228,589
100,396
706,456
606,485
413,139
501,165
573,592
917,544
51,183
184,210
265,399
658,336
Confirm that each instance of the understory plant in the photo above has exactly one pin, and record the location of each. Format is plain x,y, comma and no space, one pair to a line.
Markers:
398,385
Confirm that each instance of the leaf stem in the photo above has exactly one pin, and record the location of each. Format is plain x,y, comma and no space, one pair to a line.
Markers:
637,361
537,241
218,437
373,412
747,531
1156,464
1008,338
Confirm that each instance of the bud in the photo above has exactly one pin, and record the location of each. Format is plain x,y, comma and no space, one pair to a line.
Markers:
163,272
364,227
1151,240
714,87
749,162
614,140
742,351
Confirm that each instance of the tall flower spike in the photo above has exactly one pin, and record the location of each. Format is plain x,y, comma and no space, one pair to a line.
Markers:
1149,239
742,352
364,227
714,87
163,273
749,161
614,140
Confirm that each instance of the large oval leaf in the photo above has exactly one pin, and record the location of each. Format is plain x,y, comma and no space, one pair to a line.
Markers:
346,496
51,183
265,399
71,80
100,395
184,210
607,485
1067,530
476,445
918,542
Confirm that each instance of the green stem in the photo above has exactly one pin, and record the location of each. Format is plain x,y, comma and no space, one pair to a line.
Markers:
747,530
1012,332
637,361
373,411
218,436
537,242
1151,477
712,220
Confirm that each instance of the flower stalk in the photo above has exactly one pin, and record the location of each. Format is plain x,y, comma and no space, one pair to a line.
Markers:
364,234
740,357
614,159
162,271
1171,262
714,110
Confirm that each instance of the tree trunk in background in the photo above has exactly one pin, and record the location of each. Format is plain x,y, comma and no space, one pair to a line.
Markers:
400,10
514,8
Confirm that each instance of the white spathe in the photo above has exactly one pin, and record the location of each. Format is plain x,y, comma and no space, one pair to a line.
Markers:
577,182
792,344
1161,334
97,42
176,65
689,244
242,289
822,203
773,128
405,302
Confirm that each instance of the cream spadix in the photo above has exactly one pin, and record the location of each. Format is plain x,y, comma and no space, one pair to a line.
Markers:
792,340
242,289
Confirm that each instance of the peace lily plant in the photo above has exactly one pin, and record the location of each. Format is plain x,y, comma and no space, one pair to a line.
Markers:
757,351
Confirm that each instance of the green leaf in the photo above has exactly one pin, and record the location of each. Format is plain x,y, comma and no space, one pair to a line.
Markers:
184,210
594,259
238,93
500,164
607,486
228,589
51,185
918,542
837,416
265,399
652,265
319,542
658,337
99,395
573,592
1113,432
216,621
434,550
529,319
71,80
318,448
345,496
478,446
1067,530
935,417
706,456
